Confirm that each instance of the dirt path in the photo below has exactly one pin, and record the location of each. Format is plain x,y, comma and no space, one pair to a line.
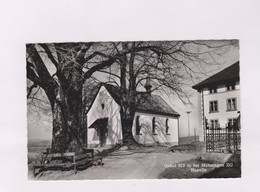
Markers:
124,164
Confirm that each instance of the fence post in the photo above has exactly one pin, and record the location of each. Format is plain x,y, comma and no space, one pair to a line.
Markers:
229,140
235,141
213,140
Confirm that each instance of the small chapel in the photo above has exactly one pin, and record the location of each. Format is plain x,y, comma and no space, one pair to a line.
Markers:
155,122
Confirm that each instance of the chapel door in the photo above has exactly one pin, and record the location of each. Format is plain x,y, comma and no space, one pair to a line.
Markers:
103,135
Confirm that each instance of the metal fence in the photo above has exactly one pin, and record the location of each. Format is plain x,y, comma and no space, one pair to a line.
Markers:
223,140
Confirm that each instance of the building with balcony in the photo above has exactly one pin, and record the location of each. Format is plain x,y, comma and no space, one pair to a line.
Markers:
219,100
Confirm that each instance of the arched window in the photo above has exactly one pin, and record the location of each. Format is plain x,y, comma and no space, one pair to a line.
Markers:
167,126
137,125
154,126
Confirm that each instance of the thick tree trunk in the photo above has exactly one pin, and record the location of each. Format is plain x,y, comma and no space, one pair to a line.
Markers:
127,124
67,112
67,133
127,110
127,113
60,137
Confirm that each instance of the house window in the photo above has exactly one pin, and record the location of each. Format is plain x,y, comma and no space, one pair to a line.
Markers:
138,126
167,126
213,90
231,104
231,122
154,126
230,87
213,106
214,124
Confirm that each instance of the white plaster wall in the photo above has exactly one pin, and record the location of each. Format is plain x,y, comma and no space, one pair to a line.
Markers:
110,111
221,96
147,136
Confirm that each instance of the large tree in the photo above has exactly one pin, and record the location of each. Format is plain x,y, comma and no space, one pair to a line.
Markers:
61,70
61,75
168,66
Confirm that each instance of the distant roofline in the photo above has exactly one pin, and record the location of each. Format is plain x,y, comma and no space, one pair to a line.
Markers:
227,75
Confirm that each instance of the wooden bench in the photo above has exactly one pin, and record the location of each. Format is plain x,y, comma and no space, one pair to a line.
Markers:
67,160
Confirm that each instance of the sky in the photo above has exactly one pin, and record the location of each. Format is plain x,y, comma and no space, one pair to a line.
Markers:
41,127
231,57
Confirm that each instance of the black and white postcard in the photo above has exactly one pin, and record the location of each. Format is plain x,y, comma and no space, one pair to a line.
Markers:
113,95
133,110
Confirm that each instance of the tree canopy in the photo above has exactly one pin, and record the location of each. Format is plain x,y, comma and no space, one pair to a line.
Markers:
61,70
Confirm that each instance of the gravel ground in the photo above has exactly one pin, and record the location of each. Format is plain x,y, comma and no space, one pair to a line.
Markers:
140,163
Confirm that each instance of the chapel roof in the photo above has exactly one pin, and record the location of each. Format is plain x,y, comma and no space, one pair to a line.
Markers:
99,123
225,76
147,103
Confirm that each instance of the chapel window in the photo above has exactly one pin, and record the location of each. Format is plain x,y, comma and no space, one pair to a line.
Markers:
138,126
154,126
167,126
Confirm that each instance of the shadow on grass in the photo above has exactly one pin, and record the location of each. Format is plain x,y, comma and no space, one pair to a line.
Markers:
234,171
107,151
182,170
124,151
